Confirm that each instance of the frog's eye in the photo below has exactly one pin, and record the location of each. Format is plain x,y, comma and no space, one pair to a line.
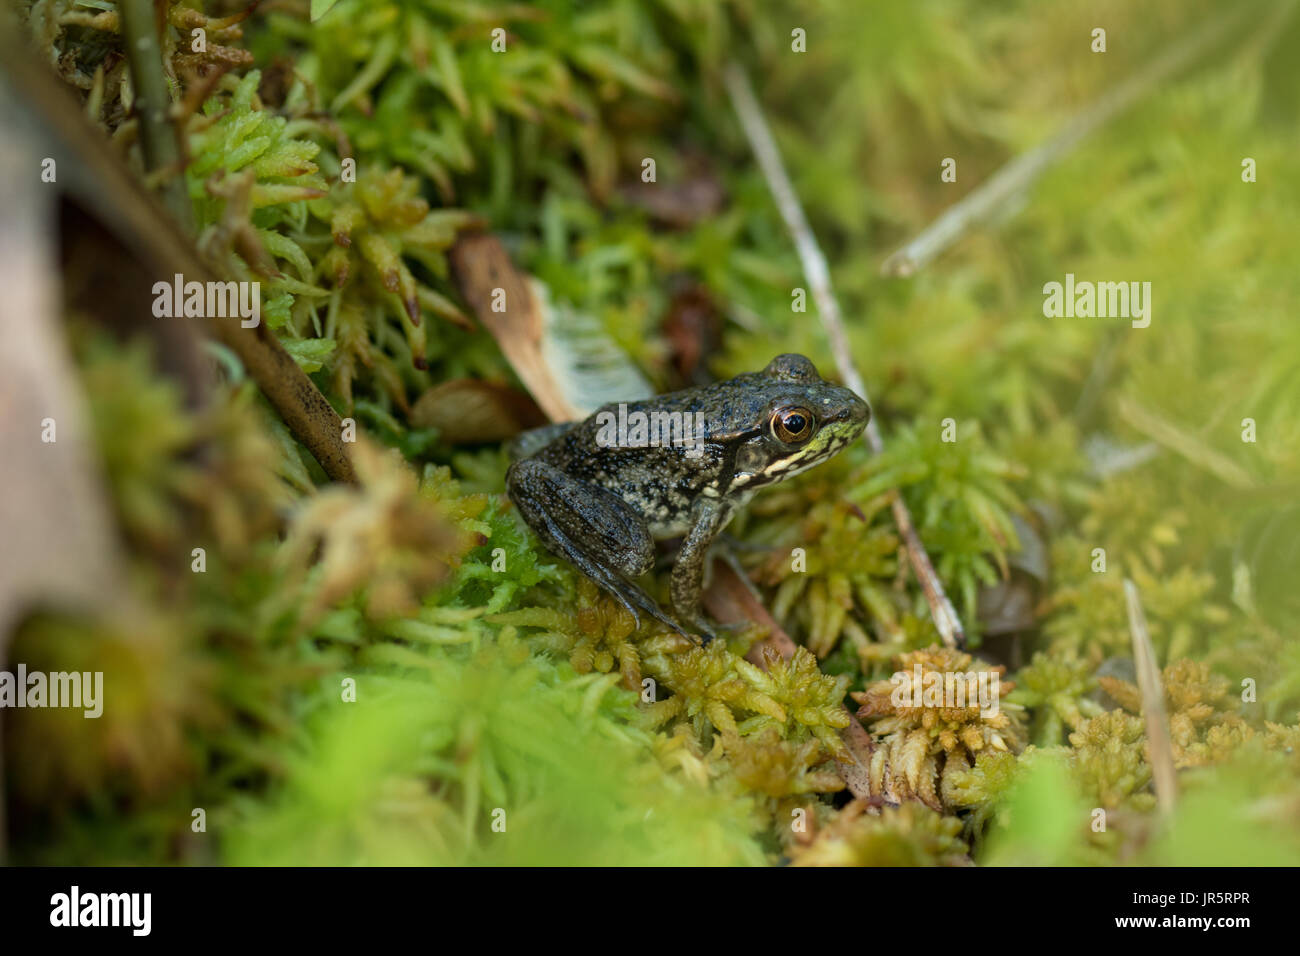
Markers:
792,425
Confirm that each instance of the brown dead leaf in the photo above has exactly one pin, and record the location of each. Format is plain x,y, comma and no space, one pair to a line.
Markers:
467,411
565,358
488,278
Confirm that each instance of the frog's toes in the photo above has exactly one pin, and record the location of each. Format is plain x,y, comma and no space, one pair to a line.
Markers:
711,630
636,618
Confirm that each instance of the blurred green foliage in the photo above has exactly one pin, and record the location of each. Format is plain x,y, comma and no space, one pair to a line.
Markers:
488,678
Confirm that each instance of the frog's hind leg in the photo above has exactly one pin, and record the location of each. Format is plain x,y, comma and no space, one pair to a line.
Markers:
594,529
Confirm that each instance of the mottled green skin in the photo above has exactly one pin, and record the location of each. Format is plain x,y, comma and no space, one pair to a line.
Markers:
603,507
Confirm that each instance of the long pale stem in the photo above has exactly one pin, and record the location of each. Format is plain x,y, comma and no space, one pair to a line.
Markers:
819,278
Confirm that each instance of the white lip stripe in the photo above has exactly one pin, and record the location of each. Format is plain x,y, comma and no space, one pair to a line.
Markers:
789,467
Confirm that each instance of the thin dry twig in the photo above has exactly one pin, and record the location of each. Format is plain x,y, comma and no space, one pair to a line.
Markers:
819,278
1015,177
1159,743
158,136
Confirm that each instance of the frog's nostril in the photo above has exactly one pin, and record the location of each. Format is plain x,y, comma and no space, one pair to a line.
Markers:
855,411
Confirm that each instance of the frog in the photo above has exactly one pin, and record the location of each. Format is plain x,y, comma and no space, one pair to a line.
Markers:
601,497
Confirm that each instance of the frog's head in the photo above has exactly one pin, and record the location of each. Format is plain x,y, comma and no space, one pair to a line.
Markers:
797,420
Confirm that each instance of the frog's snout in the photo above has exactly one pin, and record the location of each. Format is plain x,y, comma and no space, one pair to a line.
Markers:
861,411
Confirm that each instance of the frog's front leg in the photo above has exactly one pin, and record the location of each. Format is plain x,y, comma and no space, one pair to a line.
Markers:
708,516
595,530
